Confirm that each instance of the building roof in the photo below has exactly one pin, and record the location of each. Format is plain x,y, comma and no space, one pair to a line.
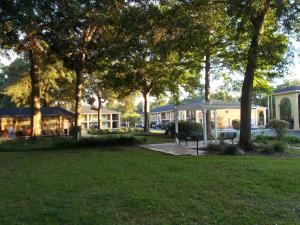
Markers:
199,104
87,110
287,89
190,104
164,108
26,112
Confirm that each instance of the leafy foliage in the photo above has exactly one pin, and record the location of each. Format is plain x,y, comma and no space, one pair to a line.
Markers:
278,146
185,127
236,124
285,110
56,84
280,126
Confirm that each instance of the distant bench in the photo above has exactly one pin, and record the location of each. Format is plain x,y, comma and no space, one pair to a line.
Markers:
227,135
194,136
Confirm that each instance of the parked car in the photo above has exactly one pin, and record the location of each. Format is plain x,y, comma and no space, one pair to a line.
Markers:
139,126
153,125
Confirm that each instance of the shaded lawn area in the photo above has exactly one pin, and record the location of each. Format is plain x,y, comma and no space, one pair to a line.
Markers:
134,186
156,138
52,143
151,138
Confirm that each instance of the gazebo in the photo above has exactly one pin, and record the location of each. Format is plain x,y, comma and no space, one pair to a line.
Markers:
214,105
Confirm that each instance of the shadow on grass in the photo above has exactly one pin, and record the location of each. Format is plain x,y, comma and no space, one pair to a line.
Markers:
67,143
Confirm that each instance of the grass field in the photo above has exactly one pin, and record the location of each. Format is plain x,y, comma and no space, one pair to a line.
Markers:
129,185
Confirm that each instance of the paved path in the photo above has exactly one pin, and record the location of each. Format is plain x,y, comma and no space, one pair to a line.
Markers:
175,149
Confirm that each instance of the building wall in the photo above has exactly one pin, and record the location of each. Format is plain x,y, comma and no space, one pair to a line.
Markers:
109,120
162,117
294,99
226,116
58,123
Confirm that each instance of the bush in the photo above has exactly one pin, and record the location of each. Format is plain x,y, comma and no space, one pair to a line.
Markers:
279,146
112,140
184,127
291,139
107,130
263,138
268,149
224,148
236,124
211,147
19,133
233,150
280,126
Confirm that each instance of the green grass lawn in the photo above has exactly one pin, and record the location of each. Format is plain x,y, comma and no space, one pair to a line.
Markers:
134,186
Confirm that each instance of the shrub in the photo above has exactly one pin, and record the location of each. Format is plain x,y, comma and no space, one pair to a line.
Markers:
227,149
263,138
236,124
279,146
268,149
211,147
291,139
112,140
107,131
233,150
19,133
121,130
280,126
184,127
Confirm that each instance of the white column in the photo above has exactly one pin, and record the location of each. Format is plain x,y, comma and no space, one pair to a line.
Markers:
111,121
119,120
255,117
204,111
296,112
216,123
277,107
269,108
265,117
184,115
176,123
87,121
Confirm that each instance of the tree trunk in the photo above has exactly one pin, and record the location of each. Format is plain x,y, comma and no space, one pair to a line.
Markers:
146,112
245,134
207,90
78,97
36,116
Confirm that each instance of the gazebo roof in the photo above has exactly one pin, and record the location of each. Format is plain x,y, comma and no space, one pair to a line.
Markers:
287,90
213,104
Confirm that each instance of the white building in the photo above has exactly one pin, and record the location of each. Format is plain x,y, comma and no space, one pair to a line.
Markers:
89,118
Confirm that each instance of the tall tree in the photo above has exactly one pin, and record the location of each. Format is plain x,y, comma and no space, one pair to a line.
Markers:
148,64
78,32
202,37
97,92
21,24
260,23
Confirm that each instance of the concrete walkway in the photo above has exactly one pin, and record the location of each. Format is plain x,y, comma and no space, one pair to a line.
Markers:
176,149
